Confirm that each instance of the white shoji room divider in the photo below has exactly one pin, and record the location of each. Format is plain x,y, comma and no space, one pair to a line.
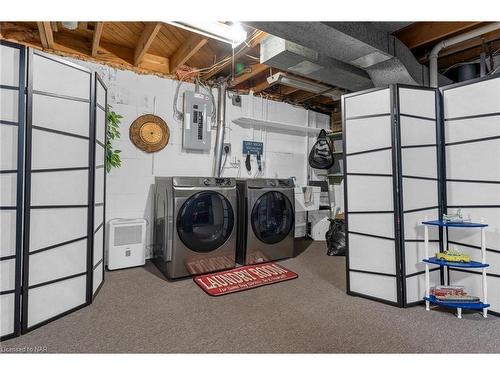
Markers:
53,220
391,146
12,126
472,138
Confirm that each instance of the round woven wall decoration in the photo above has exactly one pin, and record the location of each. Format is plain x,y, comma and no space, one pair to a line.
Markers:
149,133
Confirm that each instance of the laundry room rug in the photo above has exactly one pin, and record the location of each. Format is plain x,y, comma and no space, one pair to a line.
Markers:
243,278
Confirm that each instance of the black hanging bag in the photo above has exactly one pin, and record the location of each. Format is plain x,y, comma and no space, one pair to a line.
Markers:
321,156
335,237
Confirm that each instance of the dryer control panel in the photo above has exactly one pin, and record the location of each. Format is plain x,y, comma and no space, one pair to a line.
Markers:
204,181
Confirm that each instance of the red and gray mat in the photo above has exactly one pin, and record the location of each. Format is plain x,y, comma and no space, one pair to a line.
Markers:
243,278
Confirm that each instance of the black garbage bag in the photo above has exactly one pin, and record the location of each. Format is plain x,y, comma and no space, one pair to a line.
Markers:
321,156
335,237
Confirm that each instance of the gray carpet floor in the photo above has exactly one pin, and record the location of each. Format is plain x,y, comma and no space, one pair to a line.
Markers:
138,311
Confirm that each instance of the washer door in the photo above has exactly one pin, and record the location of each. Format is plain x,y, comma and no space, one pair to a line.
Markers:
272,217
205,221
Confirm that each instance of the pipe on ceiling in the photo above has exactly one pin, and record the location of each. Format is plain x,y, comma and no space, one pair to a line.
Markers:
221,126
433,57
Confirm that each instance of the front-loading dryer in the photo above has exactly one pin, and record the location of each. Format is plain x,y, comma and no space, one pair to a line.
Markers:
195,225
266,220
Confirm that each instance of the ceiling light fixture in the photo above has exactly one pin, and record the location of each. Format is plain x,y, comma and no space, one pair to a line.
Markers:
304,84
70,25
233,33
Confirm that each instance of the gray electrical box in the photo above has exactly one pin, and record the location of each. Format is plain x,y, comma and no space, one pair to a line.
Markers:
196,133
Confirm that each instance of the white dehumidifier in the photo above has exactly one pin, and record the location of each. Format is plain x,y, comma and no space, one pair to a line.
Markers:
127,243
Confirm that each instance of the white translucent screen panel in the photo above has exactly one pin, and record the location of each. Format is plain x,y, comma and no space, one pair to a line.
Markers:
417,102
415,286
52,226
491,216
70,116
473,161
472,193
9,104
6,314
51,150
372,103
375,224
415,252
368,133
99,155
7,233
419,162
492,257
473,285
62,261
100,125
418,193
472,128
415,131
60,188
8,147
7,275
371,254
9,69
413,228
100,95
98,216
53,299
99,185
474,99
47,75
8,186
379,286
98,245
370,193
97,277
378,162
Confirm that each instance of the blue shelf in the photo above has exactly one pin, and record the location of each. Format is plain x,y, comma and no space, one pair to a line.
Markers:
441,223
463,305
471,264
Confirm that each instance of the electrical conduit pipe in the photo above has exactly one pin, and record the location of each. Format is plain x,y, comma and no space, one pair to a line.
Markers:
433,57
221,125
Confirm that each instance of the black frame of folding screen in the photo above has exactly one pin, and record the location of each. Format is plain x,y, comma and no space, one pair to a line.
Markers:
91,267
439,180
443,172
27,191
398,275
19,182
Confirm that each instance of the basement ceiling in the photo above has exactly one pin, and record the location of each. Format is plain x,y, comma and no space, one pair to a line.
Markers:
169,51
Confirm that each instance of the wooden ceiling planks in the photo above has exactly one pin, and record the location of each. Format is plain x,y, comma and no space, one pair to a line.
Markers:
149,47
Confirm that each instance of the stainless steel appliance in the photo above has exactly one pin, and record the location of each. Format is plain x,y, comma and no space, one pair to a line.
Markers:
266,220
194,225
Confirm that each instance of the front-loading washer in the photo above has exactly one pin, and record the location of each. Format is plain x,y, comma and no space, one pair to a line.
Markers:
266,222
194,225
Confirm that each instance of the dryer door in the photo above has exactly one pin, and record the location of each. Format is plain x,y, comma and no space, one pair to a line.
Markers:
272,217
205,221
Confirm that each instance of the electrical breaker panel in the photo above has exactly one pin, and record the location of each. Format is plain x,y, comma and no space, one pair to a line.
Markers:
196,133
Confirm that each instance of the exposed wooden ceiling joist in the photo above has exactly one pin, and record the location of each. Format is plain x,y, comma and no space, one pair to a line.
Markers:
145,41
254,70
264,85
46,35
186,51
420,33
78,46
99,26
257,38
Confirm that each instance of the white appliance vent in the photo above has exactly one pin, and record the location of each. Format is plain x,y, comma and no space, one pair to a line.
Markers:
127,243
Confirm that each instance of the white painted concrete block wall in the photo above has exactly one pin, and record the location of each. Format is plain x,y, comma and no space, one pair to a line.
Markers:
130,188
